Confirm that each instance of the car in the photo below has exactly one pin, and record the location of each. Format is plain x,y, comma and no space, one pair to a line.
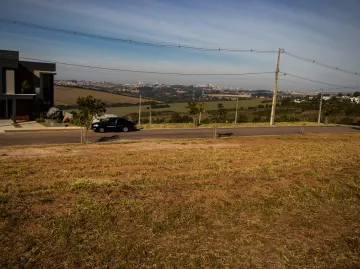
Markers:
114,125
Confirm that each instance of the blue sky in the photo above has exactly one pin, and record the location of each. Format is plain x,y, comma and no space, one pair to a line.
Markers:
328,31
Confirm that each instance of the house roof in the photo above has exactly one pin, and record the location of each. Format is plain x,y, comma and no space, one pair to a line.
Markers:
50,67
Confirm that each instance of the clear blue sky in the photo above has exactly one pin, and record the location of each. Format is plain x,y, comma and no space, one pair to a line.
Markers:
328,31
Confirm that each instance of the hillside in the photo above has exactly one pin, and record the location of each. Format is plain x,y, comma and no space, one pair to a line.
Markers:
68,96
269,202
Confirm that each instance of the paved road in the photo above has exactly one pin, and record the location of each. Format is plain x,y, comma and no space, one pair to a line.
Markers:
62,137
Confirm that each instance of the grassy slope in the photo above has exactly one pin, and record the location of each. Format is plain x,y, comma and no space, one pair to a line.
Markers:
68,96
181,107
286,202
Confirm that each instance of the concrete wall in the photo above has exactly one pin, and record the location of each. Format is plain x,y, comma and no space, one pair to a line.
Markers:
10,81
8,59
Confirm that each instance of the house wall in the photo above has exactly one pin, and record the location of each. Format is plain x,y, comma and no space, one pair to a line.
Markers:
8,60
22,77
10,81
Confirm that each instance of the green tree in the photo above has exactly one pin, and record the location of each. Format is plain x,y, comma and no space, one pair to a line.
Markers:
242,118
286,101
328,109
356,94
221,112
25,86
196,109
200,109
89,107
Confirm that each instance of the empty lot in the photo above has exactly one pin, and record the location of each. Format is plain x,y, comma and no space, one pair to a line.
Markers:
285,202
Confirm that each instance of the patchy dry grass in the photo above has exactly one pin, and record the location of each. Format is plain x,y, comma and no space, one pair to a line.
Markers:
284,202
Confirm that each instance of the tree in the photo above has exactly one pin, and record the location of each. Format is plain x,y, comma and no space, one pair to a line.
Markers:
242,118
328,109
200,109
286,101
221,112
89,108
356,94
25,86
196,109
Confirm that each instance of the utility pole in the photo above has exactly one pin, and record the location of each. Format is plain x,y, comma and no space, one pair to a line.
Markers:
272,119
321,99
236,113
150,115
140,111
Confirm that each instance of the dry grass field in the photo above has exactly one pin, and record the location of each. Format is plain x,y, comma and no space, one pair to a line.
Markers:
275,202
69,95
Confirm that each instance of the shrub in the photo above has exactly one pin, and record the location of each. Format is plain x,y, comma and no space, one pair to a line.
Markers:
242,118
75,121
256,119
346,121
40,119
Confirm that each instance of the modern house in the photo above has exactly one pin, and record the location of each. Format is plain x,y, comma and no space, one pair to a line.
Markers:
26,88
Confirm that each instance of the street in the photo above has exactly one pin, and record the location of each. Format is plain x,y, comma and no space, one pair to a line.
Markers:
63,137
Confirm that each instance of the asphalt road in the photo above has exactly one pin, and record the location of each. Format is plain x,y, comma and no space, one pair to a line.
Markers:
62,137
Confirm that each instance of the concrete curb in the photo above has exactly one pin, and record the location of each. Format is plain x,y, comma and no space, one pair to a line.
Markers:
239,127
48,129
58,129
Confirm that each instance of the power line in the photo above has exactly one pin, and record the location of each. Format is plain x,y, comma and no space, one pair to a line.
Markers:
320,64
149,72
130,41
320,82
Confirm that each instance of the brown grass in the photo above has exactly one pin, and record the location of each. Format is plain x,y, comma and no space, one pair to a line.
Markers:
276,202
69,95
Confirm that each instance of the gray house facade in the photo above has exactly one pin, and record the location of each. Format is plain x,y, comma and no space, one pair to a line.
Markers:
26,88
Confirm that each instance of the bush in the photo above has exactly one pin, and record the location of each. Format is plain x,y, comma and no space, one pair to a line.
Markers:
159,120
242,118
40,120
346,121
256,119
75,121
261,106
282,118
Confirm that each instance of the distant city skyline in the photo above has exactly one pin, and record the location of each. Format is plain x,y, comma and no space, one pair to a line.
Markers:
326,31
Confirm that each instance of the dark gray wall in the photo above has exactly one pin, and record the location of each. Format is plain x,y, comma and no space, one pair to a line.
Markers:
8,59
38,66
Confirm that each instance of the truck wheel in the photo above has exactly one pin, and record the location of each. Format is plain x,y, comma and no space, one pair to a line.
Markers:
125,129
102,130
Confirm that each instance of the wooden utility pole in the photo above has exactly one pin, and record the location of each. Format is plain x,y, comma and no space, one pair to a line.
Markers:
321,99
272,118
140,111
236,114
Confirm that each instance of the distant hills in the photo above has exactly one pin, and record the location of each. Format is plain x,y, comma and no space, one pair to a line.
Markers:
69,95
